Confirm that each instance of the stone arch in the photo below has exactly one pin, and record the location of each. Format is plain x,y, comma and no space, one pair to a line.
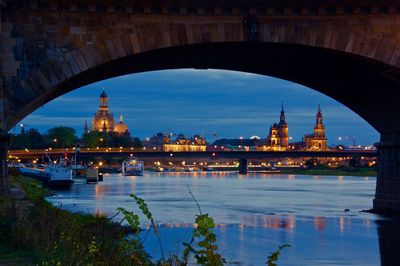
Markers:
52,78
350,53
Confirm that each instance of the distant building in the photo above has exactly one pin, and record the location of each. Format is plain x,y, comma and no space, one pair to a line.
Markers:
164,142
103,119
121,128
278,137
233,144
317,140
181,143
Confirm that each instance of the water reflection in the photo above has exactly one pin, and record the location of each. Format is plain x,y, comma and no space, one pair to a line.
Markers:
255,214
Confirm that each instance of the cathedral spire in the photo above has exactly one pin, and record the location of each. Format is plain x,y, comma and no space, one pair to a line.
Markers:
282,117
319,116
86,128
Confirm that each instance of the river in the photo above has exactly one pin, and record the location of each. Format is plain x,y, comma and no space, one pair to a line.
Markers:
319,216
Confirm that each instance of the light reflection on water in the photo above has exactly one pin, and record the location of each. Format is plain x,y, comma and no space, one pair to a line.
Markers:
254,213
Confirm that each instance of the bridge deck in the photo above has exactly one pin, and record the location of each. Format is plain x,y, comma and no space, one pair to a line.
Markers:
206,154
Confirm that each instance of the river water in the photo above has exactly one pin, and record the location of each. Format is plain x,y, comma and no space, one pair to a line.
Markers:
319,216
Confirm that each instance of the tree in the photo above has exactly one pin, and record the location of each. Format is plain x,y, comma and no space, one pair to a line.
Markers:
36,140
137,143
61,137
19,142
312,163
120,141
355,162
94,139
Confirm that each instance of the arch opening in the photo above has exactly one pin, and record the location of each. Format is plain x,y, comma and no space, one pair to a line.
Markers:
366,87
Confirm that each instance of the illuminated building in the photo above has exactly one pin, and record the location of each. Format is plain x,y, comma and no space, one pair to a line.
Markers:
317,140
278,137
164,142
103,120
196,143
121,128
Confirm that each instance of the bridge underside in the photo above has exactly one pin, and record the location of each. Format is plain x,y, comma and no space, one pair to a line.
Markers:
367,87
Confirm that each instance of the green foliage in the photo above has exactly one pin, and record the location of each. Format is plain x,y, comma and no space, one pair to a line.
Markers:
206,251
117,140
137,143
57,237
312,163
19,142
273,258
60,137
355,162
36,140
46,235
95,139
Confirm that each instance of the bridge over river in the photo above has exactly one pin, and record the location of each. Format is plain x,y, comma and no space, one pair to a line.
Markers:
241,156
348,50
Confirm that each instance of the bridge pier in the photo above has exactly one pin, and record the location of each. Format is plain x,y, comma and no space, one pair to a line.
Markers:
4,140
243,166
387,193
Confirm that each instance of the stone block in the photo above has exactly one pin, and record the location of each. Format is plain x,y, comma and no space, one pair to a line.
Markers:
73,65
119,47
64,67
135,43
79,60
384,51
42,80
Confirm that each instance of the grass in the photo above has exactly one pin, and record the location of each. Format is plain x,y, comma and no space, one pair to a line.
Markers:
32,231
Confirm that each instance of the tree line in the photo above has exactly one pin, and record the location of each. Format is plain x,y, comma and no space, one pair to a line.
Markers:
65,137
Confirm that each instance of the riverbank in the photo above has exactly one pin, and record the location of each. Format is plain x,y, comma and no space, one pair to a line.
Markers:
32,232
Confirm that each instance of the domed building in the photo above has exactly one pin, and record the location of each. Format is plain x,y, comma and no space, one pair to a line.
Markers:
121,128
103,119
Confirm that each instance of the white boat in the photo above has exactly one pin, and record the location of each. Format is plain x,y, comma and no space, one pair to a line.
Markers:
60,175
132,167
37,173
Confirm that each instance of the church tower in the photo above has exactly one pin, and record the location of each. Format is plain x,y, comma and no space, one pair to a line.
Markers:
319,129
283,130
103,119
86,128
317,140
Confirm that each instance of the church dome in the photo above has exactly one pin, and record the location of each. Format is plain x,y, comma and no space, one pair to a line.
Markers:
121,128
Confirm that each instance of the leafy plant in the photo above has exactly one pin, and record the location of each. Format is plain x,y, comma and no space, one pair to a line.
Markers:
273,258
133,221
206,253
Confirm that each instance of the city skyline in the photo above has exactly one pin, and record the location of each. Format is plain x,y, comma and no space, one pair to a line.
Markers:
231,104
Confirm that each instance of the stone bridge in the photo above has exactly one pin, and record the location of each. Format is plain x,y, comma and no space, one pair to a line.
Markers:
348,50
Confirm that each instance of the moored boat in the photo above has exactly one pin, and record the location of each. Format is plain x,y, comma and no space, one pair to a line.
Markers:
132,167
60,175
92,175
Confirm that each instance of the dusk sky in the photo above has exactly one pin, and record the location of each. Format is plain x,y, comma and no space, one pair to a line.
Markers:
231,104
